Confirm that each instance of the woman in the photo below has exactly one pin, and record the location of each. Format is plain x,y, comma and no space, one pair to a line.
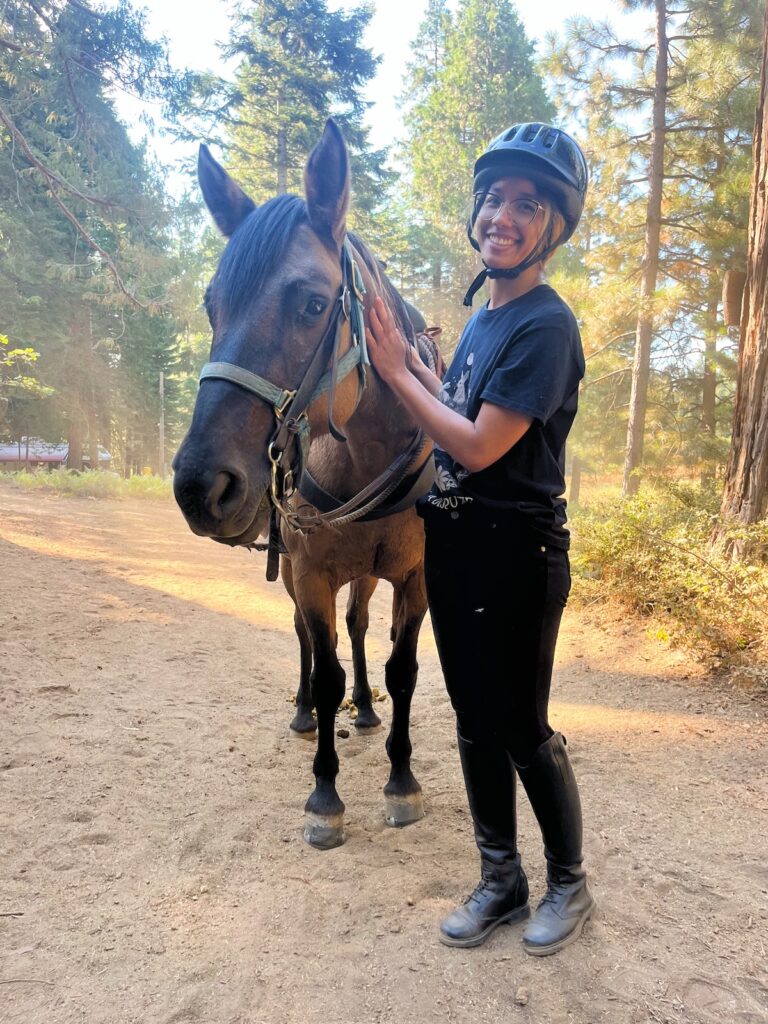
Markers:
496,543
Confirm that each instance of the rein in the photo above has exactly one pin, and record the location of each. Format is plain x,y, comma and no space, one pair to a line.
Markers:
288,448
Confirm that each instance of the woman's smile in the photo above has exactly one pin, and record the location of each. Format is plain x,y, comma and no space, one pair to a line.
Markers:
502,240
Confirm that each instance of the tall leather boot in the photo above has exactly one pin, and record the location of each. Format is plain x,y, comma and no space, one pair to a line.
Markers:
501,896
551,787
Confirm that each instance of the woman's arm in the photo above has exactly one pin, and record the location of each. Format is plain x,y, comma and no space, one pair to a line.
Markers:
475,445
424,375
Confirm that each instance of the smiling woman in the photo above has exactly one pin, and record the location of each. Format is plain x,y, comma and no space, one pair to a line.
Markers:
500,422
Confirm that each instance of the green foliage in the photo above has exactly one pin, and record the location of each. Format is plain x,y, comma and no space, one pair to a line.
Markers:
91,484
85,262
604,85
18,387
471,76
299,63
650,552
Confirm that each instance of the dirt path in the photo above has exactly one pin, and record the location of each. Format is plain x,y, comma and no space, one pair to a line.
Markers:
151,861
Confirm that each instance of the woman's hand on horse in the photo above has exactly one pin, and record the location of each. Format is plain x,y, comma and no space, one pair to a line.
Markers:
390,353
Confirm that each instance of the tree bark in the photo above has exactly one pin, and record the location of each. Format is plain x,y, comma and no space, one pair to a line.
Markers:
75,440
644,332
746,476
282,161
709,394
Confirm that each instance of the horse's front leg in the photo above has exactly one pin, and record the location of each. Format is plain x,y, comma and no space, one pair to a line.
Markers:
360,593
303,723
402,793
324,810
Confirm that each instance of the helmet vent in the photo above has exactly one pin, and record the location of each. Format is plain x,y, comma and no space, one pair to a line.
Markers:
550,139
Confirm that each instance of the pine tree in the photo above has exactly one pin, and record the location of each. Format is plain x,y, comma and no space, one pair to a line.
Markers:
82,218
605,83
299,64
745,494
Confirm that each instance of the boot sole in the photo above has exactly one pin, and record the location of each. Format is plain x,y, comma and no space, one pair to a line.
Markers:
555,947
518,914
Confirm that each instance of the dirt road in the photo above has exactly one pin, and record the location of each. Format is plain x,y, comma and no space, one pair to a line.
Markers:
151,861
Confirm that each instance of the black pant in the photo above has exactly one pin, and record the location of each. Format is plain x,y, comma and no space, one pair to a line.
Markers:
496,596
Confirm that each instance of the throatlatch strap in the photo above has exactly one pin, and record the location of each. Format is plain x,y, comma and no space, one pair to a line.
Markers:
273,549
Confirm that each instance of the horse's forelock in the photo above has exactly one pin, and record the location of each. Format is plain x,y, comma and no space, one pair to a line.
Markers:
256,248
260,243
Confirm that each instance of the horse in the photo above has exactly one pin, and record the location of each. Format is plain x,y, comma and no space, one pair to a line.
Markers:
265,451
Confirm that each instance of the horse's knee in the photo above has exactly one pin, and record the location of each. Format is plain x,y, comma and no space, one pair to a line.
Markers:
328,680
357,623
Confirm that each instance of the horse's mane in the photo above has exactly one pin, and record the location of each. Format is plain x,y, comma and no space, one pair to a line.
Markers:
260,243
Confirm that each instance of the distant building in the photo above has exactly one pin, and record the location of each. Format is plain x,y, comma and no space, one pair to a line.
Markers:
35,453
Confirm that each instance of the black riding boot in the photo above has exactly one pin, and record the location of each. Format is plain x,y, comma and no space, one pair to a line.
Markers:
501,896
551,787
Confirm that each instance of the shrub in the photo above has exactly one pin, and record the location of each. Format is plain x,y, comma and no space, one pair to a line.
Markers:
652,553
91,484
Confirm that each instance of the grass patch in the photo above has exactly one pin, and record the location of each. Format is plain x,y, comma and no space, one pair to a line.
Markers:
91,484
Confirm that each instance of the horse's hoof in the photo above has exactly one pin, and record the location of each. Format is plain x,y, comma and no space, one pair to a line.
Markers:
306,734
367,720
304,725
324,831
403,809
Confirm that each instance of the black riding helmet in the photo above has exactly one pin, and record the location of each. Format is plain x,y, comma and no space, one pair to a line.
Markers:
553,161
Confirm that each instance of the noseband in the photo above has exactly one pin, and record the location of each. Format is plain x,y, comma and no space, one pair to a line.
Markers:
288,448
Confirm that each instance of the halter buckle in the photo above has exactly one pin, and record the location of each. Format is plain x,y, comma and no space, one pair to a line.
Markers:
285,404
346,302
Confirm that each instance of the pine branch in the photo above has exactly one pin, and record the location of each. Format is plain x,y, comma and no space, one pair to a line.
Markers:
51,176
605,376
10,46
55,180
85,10
627,334
42,16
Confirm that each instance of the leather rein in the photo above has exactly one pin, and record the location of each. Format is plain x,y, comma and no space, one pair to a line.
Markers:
288,448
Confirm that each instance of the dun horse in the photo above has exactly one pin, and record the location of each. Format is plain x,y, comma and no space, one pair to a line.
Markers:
293,433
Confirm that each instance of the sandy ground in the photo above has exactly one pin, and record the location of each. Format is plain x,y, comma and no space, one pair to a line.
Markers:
151,861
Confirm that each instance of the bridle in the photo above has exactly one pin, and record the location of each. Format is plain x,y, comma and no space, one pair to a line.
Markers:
288,448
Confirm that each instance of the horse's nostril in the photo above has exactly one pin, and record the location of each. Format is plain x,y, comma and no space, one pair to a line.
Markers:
226,496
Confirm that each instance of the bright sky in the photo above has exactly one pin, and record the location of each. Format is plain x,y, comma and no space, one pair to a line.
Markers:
194,28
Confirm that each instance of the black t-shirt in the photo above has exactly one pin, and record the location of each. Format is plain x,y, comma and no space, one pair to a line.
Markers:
524,356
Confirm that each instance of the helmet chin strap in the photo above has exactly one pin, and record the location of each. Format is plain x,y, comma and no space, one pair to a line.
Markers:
509,273
493,273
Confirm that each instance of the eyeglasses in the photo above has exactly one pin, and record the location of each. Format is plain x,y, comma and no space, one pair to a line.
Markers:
522,211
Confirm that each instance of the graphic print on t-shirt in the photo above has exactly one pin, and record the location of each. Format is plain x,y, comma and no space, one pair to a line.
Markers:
449,474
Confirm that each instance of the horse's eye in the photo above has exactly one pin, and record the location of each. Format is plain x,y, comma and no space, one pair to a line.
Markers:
315,307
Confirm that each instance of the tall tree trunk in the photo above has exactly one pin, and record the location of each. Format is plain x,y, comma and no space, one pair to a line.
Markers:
75,441
644,332
93,442
709,394
746,476
282,162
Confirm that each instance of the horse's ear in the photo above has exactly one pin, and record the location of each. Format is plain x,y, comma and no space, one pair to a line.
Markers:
326,185
228,204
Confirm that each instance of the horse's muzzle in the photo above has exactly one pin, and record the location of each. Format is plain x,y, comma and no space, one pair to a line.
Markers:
219,503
